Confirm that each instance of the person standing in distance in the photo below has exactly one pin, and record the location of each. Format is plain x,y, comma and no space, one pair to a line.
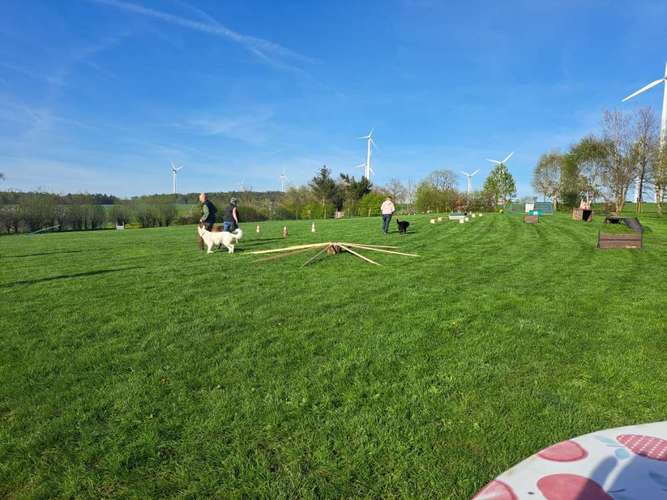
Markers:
230,219
387,208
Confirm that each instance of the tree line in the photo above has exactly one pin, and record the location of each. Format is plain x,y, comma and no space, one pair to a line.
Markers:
323,197
626,155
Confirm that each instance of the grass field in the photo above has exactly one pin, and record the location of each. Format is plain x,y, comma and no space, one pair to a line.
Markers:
132,364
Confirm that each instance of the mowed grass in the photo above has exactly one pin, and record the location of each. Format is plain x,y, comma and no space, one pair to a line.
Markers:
132,364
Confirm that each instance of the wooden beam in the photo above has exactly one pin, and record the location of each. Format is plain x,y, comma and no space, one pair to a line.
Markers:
289,249
382,250
347,249
315,256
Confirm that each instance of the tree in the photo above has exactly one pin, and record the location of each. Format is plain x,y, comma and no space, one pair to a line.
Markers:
547,176
618,168
500,184
355,189
645,149
442,180
397,190
659,177
437,191
325,189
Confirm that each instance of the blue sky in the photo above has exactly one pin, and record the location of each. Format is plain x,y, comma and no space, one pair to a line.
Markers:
100,95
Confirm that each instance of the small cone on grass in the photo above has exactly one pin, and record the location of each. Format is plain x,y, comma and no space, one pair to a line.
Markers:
285,232
312,228
257,229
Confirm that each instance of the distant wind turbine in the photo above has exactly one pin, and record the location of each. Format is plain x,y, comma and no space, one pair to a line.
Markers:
283,178
469,177
663,120
174,170
503,162
371,143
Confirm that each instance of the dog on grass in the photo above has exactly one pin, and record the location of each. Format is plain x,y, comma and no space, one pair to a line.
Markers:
218,239
402,226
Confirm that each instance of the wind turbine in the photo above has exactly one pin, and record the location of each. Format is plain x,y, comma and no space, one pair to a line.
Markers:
283,178
501,162
174,170
469,177
663,120
371,144
363,165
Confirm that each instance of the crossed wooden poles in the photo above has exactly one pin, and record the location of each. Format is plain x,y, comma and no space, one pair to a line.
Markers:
331,248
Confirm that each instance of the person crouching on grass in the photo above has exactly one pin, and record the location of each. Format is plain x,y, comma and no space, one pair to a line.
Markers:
230,219
387,208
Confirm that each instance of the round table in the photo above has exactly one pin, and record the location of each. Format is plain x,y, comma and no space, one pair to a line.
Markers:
626,463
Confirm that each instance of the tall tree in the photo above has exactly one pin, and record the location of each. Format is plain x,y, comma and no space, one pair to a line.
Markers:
354,189
619,169
547,176
645,149
325,189
397,190
500,184
659,177
442,180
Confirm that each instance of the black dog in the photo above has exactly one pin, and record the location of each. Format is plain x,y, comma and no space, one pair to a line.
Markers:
402,226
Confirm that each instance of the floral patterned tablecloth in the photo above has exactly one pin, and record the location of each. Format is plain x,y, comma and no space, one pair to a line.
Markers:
626,463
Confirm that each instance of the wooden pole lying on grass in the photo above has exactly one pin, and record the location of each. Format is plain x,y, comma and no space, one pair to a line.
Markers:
331,248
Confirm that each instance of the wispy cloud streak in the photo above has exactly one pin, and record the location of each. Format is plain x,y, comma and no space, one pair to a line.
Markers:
258,46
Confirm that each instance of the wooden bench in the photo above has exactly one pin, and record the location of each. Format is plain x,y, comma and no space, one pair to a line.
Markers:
619,240
531,219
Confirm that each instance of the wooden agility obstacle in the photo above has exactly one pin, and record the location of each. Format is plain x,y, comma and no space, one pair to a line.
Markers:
331,248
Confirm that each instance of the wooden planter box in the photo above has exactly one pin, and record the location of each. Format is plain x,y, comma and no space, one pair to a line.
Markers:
578,214
620,240
531,219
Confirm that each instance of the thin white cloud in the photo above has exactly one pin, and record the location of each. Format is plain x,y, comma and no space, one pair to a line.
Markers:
258,46
250,128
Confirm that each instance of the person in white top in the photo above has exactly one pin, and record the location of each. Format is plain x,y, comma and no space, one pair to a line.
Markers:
387,210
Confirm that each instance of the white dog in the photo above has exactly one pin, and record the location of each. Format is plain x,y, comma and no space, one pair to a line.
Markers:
218,239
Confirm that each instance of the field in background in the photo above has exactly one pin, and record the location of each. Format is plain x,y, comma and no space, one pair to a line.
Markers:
134,364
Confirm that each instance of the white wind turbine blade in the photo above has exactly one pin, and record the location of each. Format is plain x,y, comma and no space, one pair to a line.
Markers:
644,89
474,172
508,157
466,173
494,161
374,145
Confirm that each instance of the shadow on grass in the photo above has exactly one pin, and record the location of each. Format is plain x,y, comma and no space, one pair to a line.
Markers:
67,276
260,242
39,254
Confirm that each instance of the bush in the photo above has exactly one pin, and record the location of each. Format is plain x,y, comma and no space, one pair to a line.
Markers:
191,217
156,215
37,211
120,214
10,219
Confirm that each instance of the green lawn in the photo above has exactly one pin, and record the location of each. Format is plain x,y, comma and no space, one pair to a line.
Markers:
132,364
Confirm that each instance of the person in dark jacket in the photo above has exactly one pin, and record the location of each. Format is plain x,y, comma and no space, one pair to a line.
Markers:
230,218
208,212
